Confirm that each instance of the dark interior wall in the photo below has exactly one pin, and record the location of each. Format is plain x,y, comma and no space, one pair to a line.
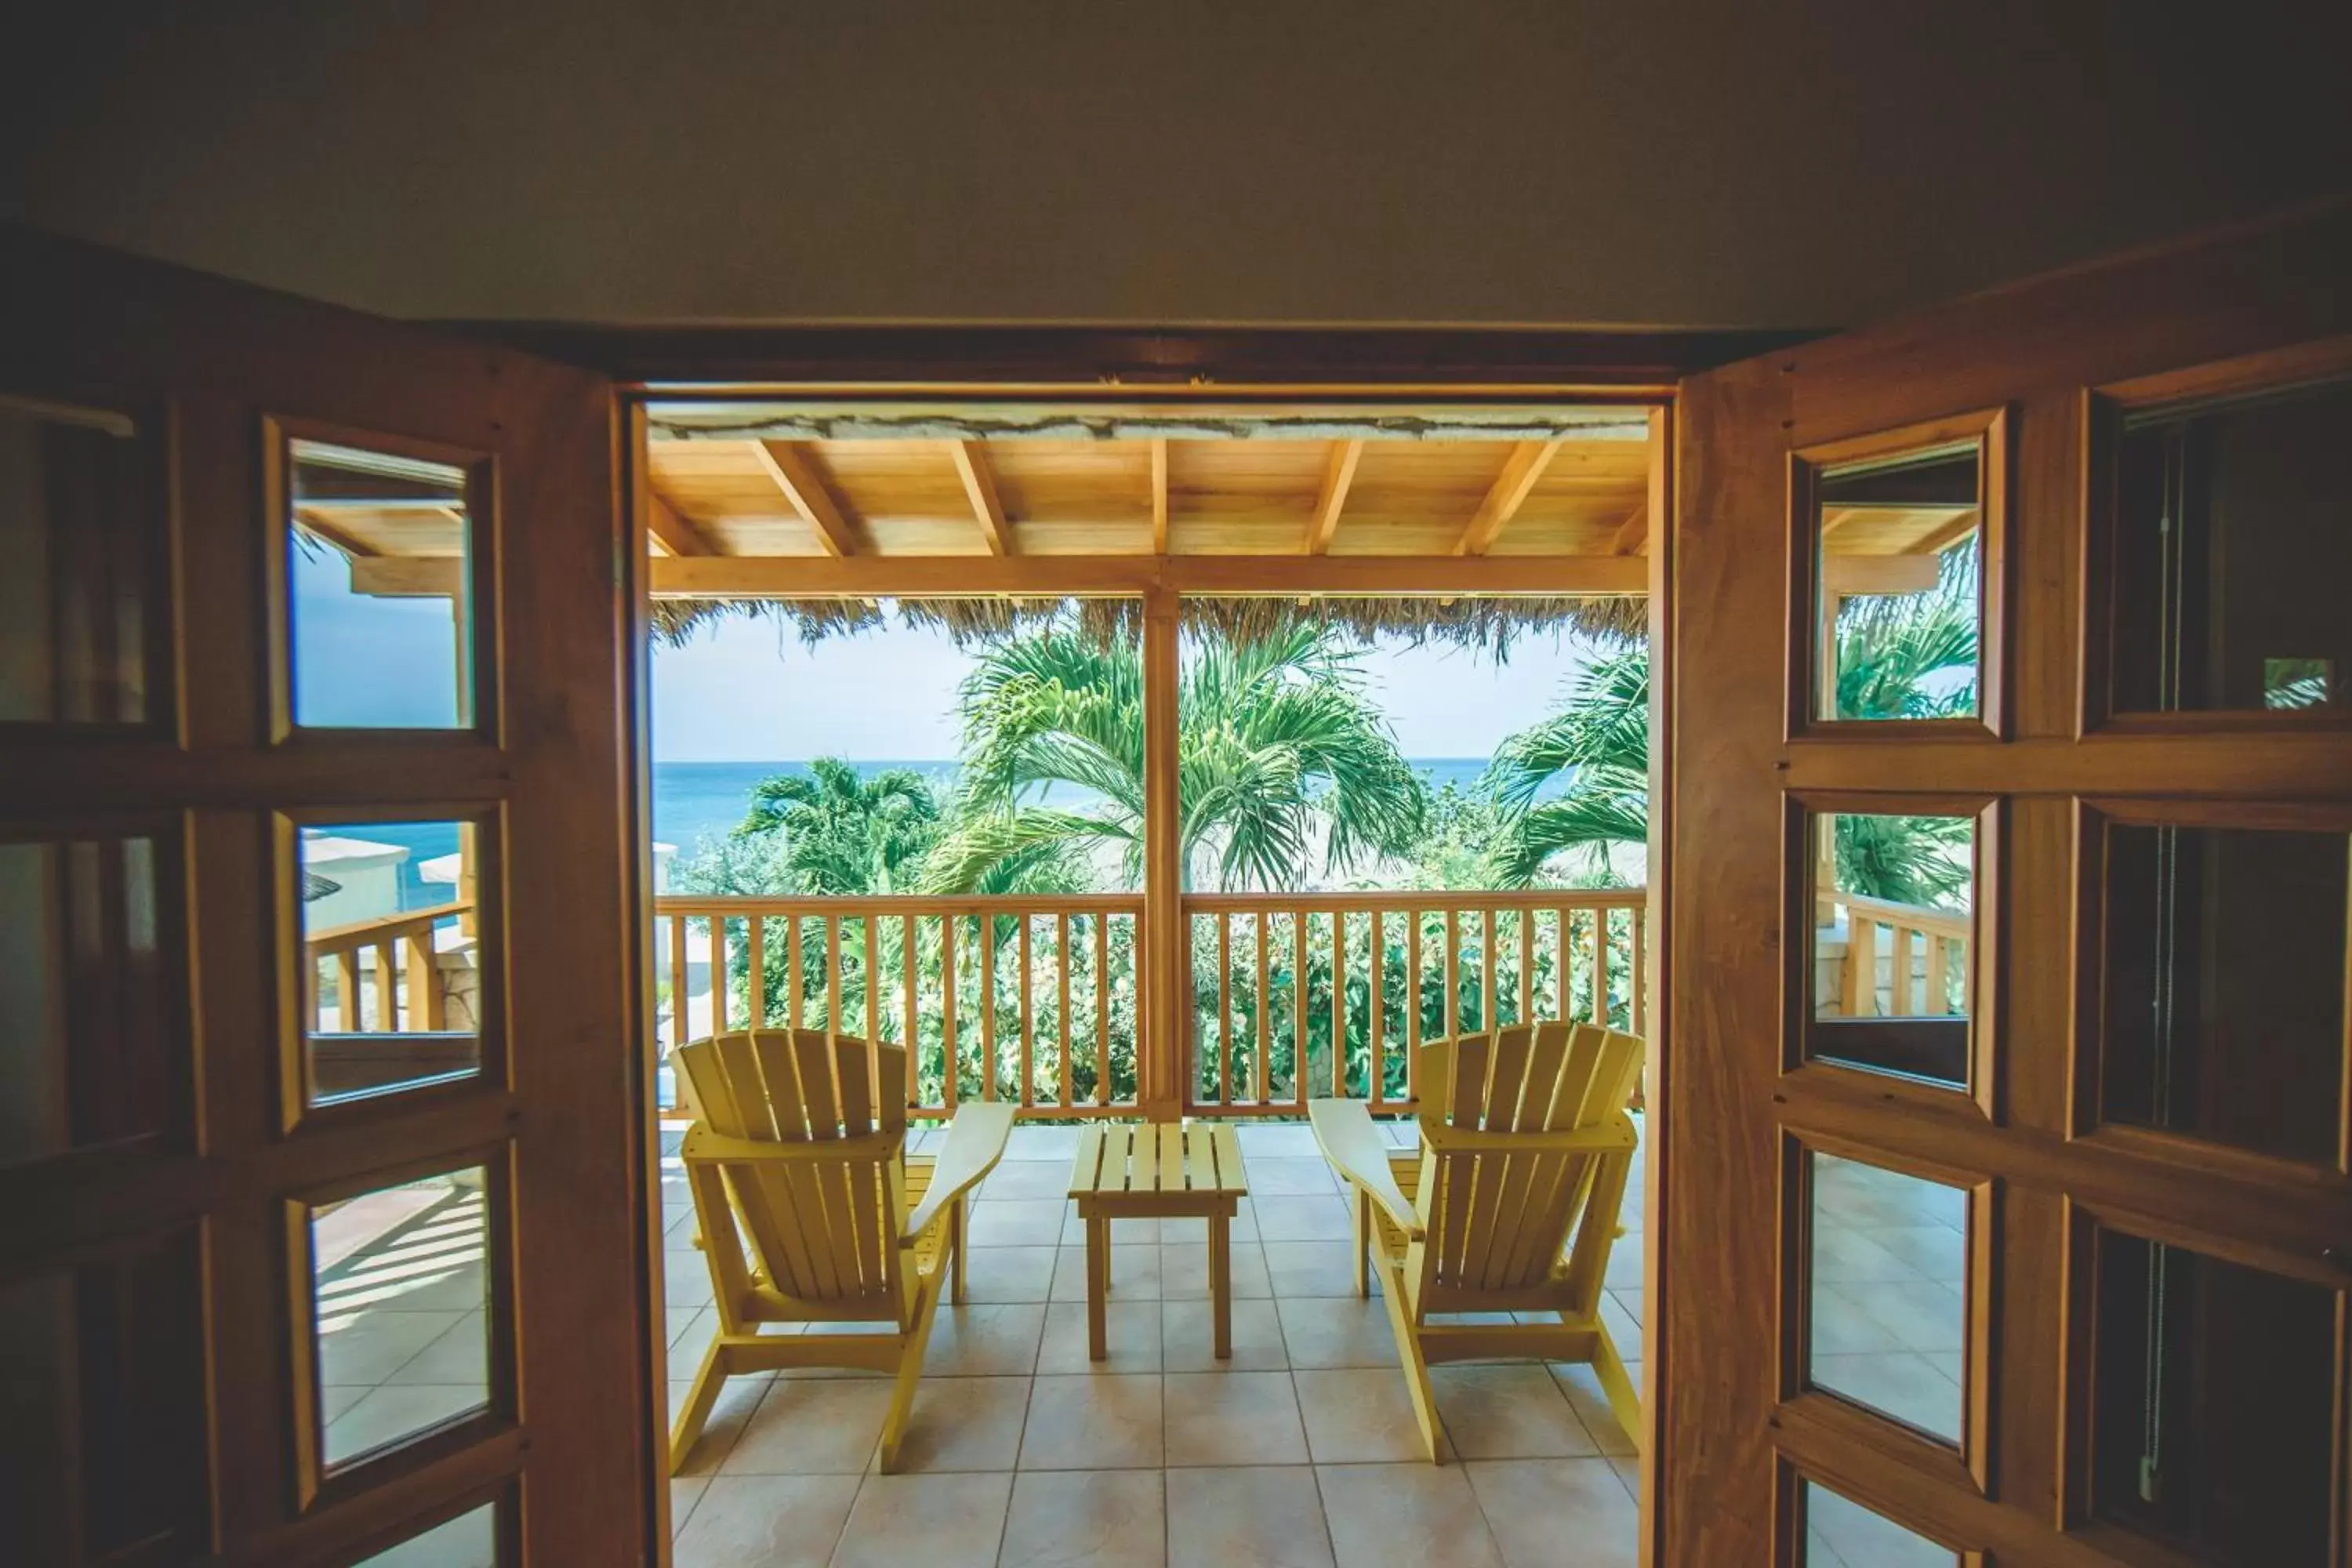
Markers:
1699,163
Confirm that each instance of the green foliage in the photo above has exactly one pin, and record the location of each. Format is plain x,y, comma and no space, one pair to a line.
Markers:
845,835
1601,740
1277,738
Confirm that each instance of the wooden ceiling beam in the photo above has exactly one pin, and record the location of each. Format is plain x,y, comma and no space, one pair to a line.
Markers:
916,576
333,533
1633,533
979,478
1850,575
1949,533
408,577
793,466
675,532
1336,478
1159,495
1520,471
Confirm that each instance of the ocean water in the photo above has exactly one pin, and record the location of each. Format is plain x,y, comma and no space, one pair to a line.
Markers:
699,800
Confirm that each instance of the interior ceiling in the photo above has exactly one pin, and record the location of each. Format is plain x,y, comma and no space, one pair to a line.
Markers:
1700,164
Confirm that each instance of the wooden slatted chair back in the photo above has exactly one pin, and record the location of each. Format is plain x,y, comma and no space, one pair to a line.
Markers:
1497,1218
822,1222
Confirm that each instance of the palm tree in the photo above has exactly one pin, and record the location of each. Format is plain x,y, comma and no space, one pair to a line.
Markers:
1901,657
1275,739
845,835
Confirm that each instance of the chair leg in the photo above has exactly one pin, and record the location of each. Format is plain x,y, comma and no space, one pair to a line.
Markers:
1363,1242
959,1241
1625,1399
699,1399
912,1344
1416,1367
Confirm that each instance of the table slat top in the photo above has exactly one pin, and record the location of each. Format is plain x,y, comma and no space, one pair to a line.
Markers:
1167,1160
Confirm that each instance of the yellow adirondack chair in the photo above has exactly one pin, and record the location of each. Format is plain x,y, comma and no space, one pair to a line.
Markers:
800,1156
1525,1151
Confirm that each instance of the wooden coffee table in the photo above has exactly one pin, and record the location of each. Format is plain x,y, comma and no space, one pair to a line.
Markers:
1162,1172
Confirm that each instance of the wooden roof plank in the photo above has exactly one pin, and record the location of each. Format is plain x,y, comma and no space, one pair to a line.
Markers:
979,477
873,576
1345,456
1159,495
792,465
1633,533
1520,471
673,532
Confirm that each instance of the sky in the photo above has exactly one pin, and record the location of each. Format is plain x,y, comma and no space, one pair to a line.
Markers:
748,690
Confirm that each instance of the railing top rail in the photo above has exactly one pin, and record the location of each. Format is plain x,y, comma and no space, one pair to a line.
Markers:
1918,917
1388,901
382,927
894,904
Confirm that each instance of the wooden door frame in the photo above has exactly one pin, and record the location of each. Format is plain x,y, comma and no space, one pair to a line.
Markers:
2046,352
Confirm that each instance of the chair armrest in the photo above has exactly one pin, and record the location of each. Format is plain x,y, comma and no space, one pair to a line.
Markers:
1344,1131
975,1143
704,1147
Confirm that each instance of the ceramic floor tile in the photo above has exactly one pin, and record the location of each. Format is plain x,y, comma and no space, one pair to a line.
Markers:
1405,1516
1018,1222
1513,1411
965,1424
685,1279
1906,1386
766,1522
1359,1415
1134,1273
1123,1232
810,1427
938,1522
1086,1519
1311,1268
979,1340
361,1349
1093,1424
1317,1218
1264,1518
390,1413
1035,1143
1278,1140
1337,1330
1132,1337
1857,1538
1557,1513
1184,1272
1582,1386
684,1491
1272,1175
1232,1419
995,1273
461,1355
1621,1310
1188,1338
1028,1179
730,1413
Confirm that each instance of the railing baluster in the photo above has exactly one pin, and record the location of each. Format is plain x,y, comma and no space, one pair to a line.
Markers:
1224,1010
1637,1000
870,985
681,1027
1339,1004
1526,967
833,934
1939,987
1028,1026
1102,1008
755,1002
1062,1014
952,1069
427,1008
1260,1091
1453,973
1899,999
1601,967
1486,971
1374,1022
1861,966
909,933
387,994
796,973
717,924
987,1005
1298,1008
1412,1004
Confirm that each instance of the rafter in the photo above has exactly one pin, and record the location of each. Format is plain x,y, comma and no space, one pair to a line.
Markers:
979,485
792,465
1336,478
673,533
1633,533
1520,471
316,520
1948,533
1159,495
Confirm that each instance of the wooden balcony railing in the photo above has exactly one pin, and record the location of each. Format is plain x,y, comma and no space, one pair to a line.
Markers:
1928,953
379,976
1027,998
1280,978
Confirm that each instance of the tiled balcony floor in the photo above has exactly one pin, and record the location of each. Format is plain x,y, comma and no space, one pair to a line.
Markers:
1298,1451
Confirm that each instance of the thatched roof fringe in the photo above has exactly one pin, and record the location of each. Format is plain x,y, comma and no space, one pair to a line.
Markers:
1487,624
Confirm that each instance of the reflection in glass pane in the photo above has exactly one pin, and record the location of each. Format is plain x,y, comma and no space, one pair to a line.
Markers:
2224,1010
1892,940
2231,553
2213,1407
1898,614
1888,1275
77,533
102,1409
393,969
401,1278
93,1050
468,1541
1841,1534
376,572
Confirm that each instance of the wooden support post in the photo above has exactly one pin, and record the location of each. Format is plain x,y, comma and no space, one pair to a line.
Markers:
1160,1091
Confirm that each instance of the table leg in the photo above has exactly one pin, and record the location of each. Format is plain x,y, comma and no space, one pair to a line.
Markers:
1221,1281
1097,1287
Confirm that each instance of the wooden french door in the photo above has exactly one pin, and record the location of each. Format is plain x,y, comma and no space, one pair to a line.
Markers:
321,1199
2007,1212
